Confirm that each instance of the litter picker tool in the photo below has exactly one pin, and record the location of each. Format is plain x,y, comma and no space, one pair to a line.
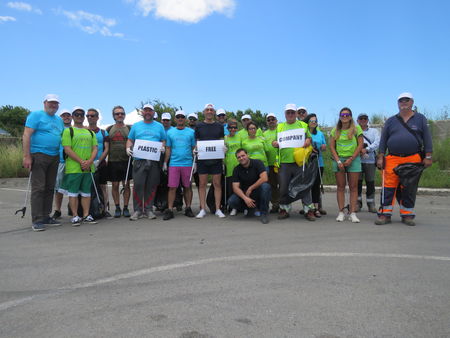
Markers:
24,209
126,176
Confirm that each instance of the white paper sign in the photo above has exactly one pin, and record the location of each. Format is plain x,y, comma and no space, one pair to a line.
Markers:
294,138
147,150
210,150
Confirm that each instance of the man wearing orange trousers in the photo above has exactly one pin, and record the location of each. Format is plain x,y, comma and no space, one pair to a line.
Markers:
407,139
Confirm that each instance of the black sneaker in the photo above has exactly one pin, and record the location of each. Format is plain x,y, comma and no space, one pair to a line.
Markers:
56,214
89,220
274,210
264,219
126,212
108,215
168,214
118,212
51,221
38,226
179,207
188,212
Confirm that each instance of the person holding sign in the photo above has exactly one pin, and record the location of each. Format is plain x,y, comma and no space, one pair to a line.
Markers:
148,138
291,134
206,131
179,147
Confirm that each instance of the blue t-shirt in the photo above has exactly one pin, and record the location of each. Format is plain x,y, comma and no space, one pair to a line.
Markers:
225,129
181,142
153,131
100,140
167,130
46,137
317,141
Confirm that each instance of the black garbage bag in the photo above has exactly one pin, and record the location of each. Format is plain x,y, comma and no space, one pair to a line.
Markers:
303,180
409,175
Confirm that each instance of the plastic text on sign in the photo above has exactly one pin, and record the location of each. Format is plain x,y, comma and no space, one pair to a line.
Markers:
147,150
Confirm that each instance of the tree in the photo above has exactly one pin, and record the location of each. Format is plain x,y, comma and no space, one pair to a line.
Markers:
12,119
162,107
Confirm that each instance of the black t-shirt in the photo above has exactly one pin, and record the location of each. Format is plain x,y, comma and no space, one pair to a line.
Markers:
248,176
208,131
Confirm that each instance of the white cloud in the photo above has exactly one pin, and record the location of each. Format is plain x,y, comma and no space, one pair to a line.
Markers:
133,117
191,11
23,6
6,19
91,23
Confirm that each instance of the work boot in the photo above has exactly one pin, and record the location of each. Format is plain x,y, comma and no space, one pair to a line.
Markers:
371,207
382,220
408,220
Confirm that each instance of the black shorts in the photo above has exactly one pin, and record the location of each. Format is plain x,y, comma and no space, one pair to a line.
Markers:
103,173
211,167
117,171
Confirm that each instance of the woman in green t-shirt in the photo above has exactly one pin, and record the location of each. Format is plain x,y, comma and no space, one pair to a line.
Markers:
256,146
345,144
233,143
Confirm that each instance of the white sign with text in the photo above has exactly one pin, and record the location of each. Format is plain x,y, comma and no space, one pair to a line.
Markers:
294,138
210,150
147,150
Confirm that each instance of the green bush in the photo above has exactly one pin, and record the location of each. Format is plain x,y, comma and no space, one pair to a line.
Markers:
11,161
441,153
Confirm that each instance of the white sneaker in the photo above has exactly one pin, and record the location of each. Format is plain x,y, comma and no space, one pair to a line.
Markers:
201,214
245,212
150,215
220,214
233,212
340,217
76,221
353,218
136,215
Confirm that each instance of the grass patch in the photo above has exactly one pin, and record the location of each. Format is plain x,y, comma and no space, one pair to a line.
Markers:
11,161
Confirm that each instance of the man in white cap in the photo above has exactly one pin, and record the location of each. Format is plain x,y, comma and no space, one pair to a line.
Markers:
166,120
222,119
192,120
407,137
118,161
301,113
288,168
205,131
80,146
243,133
178,158
270,135
146,173
67,120
41,140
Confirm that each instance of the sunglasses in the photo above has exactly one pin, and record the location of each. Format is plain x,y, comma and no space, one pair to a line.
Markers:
179,117
290,112
119,113
345,115
271,119
312,121
209,109
363,118
252,128
192,119
92,116
404,99
231,128
78,114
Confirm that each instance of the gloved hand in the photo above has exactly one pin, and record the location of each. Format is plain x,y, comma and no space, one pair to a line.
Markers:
164,167
96,163
163,150
225,149
129,152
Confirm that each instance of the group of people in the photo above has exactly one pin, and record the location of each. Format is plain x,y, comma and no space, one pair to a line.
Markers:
250,169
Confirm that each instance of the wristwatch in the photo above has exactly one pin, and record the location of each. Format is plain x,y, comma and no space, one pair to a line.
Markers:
428,157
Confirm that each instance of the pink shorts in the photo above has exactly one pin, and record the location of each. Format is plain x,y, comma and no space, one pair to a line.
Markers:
175,173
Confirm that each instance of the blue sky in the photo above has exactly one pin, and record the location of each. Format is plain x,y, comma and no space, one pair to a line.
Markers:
237,54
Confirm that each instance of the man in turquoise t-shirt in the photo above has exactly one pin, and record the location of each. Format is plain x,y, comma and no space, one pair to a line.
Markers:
145,172
288,167
41,140
179,146
80,146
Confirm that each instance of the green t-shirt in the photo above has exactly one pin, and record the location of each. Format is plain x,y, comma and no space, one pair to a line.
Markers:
270,136
256,148
287,154
81,143
344,146
232,144
243,133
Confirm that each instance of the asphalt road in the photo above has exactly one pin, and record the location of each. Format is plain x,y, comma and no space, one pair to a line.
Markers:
232,277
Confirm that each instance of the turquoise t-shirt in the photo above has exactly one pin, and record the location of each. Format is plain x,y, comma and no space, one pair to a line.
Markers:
181,142
317,140
100,140
153,131
48,129
226,132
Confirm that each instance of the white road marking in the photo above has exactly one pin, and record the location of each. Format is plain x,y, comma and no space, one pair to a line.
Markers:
13,189
142,272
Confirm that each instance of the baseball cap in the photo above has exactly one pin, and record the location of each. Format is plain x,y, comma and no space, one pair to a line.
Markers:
148,106
64,111
246,116
180,112
166,116
74,109
194,115
301,108
51,98
362,115
290,106
270,115
405,94
155,115
220,112
208,106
